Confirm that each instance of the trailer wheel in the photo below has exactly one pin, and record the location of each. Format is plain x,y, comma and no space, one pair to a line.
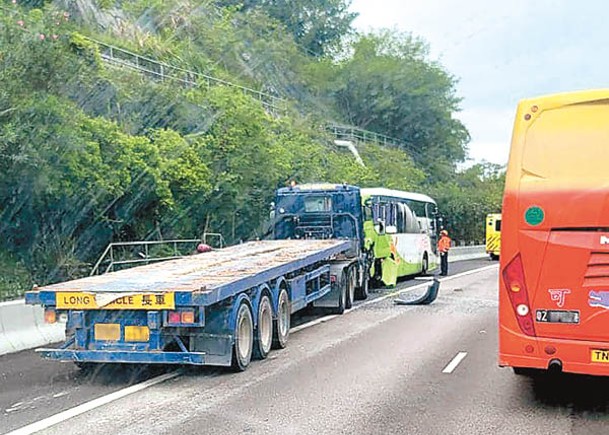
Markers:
244,338
350,292
281,331
362,291
342,297
85,367
264,331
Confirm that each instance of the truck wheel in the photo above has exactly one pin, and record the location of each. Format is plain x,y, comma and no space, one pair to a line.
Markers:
342,296
264,331
425,264
377,280
85,367
523,371
281,331
350,293
362,291
244,338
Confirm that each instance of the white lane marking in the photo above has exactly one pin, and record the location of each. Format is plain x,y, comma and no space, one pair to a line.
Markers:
314,322
387,296
88,406
454,363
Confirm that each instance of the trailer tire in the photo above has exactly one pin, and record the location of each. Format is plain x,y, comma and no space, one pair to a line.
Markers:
264,331
350,293
281,329
342,296
85,367
244,338
361,292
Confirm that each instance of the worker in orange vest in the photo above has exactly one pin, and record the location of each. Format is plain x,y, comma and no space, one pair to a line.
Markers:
443,248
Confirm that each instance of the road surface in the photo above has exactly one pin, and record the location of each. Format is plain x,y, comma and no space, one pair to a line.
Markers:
380,368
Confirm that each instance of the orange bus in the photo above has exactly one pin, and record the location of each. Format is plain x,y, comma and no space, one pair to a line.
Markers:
554,269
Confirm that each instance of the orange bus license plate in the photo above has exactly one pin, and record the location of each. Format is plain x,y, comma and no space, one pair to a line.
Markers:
599,355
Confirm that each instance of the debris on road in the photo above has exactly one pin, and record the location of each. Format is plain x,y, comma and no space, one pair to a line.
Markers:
425,299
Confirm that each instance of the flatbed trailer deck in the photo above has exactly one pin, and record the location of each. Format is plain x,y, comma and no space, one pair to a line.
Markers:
201,309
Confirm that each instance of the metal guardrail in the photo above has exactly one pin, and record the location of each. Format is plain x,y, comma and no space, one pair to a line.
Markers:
112,254
274,105
355,134
164,71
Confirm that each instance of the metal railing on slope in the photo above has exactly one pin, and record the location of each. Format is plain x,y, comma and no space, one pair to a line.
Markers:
274,105
123,253
166,72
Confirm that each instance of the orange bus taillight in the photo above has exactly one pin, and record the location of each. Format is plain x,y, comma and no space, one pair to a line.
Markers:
513,276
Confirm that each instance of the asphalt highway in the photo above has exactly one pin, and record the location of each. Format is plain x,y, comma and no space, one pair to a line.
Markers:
380,368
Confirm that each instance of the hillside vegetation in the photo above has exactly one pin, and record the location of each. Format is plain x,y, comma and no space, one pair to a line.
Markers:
91,153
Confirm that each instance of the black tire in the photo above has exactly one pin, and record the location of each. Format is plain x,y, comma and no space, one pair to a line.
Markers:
86,367
494,257
425,264
244,338
361,292
342,295
281,328
377,278
264,331
524,371
350,292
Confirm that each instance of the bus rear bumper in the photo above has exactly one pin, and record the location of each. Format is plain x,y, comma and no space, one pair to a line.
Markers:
574,356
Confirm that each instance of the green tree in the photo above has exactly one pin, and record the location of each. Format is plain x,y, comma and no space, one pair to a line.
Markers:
389,86
468,198
319,26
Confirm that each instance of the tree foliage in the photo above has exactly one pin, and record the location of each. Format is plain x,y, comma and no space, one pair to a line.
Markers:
318,26
92,154
389,86
468,198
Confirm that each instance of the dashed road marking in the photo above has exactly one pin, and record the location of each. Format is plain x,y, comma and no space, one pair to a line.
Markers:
454,363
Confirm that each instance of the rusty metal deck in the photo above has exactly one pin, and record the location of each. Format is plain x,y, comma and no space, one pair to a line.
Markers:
211,270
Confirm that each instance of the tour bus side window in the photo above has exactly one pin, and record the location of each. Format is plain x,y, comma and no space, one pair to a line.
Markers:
412,225
390,218
401,223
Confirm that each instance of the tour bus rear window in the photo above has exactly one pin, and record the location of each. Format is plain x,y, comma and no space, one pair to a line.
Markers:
318,204
498,225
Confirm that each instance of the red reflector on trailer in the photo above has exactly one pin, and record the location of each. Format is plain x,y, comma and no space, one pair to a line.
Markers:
174,317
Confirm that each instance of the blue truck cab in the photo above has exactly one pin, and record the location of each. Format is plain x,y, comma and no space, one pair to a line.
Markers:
328,211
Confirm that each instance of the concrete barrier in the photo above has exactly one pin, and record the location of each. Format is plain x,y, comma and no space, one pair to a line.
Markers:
22,327
462,253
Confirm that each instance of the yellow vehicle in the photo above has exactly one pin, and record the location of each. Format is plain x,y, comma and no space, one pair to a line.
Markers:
493,235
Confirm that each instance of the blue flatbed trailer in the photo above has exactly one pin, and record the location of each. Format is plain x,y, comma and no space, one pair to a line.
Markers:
218,308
